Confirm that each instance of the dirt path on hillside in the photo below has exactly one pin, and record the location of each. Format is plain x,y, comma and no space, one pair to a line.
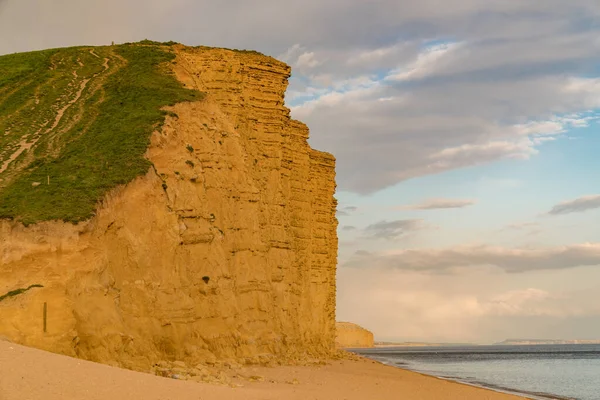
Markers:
53,133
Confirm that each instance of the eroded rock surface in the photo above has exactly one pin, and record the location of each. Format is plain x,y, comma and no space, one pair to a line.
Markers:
225,250
349,335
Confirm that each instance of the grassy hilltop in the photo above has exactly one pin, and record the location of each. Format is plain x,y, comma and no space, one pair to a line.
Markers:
76,122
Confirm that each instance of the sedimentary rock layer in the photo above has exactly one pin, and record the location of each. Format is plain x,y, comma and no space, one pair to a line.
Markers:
226,249
349,335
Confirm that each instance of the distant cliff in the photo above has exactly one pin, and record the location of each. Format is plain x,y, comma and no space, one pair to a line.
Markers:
223,248
349,335
547,341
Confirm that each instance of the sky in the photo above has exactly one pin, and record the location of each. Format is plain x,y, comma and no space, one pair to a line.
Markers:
466,134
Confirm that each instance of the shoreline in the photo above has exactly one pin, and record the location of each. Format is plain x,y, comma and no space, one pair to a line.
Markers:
481,385
32,373
501,389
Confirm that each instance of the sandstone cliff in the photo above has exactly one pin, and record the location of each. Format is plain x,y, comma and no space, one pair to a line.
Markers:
350,335
226,249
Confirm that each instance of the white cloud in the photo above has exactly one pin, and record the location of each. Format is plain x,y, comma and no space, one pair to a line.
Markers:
435,204
551,127
370,56
427,62
529,228
587,89
346,211
524,302
522,225
476,306
299,58
290,53
306,60
394,229
469,132
581,204
469,101
472,154
511,260
555,125
342,92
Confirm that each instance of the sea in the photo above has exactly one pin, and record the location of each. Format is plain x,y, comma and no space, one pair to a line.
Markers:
532,371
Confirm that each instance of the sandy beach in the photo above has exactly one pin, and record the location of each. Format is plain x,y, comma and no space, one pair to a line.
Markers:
30,374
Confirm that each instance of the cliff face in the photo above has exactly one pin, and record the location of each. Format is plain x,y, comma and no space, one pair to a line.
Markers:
350,335
225,249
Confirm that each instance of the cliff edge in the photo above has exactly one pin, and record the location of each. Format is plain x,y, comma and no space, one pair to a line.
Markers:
224,249
349,335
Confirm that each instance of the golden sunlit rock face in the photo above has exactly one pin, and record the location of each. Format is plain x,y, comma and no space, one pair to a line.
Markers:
225,250
349,335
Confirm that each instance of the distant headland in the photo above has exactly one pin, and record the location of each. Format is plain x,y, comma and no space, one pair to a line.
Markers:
547,341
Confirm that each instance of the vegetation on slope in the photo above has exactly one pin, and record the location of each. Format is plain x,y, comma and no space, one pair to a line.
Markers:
17,292
76,122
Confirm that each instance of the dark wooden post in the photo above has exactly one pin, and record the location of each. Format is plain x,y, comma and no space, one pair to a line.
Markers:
45,315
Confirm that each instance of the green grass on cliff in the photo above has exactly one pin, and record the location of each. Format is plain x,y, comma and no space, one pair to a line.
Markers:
101,139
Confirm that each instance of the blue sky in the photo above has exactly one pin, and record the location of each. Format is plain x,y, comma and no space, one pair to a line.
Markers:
466,135
506,192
